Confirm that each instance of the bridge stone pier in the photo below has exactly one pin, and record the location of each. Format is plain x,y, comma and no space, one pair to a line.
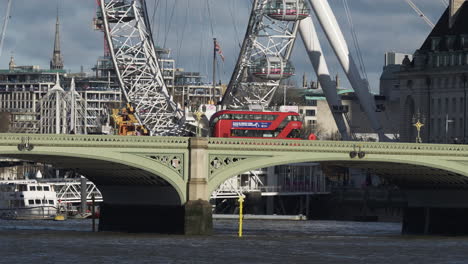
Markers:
163,184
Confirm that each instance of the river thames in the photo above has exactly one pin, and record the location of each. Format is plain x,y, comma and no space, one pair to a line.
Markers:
72,241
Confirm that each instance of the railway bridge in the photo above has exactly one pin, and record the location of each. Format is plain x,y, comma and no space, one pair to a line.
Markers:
163,184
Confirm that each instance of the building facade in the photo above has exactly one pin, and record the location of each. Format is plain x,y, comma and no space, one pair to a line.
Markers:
433,85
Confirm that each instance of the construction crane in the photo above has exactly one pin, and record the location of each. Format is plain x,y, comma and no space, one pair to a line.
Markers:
5,24
126,123
420,13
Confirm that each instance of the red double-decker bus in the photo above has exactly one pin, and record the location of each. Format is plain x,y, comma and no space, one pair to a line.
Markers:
249,124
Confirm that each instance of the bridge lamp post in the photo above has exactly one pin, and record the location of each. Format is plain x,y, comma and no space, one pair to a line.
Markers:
198,116
447,121
418,122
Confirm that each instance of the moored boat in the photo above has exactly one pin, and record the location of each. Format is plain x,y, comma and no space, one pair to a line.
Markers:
27,199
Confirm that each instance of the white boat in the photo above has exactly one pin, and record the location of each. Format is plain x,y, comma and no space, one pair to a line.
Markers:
27,199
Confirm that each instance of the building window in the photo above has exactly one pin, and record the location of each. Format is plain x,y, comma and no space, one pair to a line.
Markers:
461,105
409,83
312,124
310,112
439,126
435,44
454,105
439,106
449,41
461,126
464,41
446,105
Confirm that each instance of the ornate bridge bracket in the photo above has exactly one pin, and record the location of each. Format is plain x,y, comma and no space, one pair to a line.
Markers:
175,162
221,162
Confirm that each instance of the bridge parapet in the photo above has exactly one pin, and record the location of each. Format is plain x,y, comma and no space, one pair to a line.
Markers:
51,140
338,146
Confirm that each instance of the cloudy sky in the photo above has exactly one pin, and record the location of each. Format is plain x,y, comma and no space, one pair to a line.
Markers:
188,26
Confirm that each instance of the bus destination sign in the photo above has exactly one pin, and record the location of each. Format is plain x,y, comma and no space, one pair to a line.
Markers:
251,124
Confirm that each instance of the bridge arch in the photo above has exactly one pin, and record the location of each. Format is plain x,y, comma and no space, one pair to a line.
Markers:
453,171
115,173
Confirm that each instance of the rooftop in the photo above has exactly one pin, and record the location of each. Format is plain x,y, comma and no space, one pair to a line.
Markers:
442,29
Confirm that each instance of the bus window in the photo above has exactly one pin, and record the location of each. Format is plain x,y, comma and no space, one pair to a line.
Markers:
213,123
294,134
276,133
271,117
284,123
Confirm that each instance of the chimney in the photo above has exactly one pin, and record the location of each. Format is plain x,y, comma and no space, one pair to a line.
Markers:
454,7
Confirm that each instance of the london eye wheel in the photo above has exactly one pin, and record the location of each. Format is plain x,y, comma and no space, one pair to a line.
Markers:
128,34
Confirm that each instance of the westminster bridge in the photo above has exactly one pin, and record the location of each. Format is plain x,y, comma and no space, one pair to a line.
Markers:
163,184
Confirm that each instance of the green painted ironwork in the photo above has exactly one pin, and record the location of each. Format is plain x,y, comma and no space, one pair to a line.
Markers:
167,157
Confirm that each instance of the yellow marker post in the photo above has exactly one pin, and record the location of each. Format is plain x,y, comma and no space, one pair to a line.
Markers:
241,216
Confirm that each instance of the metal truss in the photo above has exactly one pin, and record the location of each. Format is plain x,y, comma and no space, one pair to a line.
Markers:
70,191
234,188
265,37
128,34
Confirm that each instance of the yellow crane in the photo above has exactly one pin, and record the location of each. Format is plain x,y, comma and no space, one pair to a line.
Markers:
126,123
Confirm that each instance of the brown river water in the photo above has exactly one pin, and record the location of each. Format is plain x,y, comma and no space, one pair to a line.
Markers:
72,241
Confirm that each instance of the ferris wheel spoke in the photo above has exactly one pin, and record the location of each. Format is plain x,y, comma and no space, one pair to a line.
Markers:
264,58
136,64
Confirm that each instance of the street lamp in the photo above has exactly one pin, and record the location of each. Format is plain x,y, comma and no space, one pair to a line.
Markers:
447,121
198,117
418,122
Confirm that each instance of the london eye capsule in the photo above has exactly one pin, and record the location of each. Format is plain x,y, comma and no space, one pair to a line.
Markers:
272,68
287,10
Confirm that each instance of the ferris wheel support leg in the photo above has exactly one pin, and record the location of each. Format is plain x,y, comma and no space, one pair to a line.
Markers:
334,35
314,50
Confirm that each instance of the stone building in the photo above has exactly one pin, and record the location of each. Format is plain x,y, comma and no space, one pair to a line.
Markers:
433,85
318,118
